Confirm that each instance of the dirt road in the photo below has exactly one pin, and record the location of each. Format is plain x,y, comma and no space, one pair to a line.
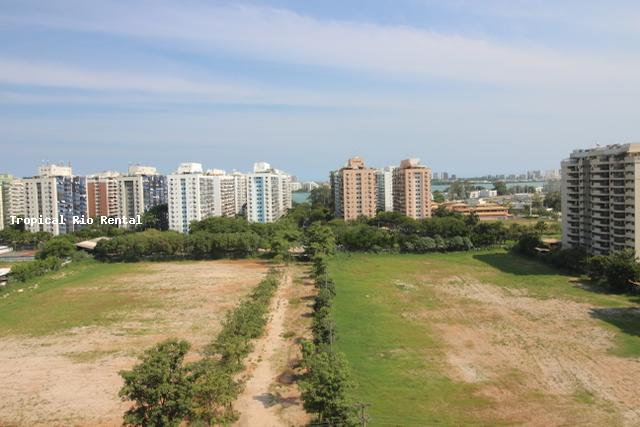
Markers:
267,399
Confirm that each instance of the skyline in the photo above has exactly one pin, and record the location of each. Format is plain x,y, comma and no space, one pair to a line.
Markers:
498,88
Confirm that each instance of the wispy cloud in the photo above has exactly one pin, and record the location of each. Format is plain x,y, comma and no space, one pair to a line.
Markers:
283,35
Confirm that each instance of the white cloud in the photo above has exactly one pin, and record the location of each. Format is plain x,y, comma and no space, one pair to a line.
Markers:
283,35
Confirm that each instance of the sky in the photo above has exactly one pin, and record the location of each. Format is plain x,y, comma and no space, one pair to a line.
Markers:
470,87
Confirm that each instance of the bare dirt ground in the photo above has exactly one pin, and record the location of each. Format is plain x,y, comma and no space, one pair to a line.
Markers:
71,378
271,397
541,362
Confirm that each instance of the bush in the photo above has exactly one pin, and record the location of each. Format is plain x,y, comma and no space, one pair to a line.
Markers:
23,271
59,247
615,271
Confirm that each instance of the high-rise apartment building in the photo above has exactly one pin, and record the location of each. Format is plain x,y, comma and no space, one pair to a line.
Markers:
140,190
13,197
240,192
268,193
384,185
102,194
1,209
190,196
354,190
224,203
600,194
56,196
412,189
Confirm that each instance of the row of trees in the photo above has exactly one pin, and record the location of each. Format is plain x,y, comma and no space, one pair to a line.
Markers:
327,381
236,238
166,391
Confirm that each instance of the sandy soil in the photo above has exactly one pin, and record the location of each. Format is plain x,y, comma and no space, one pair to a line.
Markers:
542,362
271,397
71,378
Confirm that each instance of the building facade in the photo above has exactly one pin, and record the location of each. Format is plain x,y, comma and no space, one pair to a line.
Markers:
384,188
140,190
600,193
224,203
12,199
412,189
102,194
268,193
354,190
240,192
190,196
56,196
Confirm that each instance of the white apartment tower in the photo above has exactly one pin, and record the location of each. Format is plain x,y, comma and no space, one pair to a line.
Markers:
55,194
600,194
190,196
224,197
384,184
268,193
240,192
13,198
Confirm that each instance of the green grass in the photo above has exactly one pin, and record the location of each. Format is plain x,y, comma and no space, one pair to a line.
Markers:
81,294
398,361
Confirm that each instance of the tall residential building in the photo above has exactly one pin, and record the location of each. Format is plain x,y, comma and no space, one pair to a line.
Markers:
55,193
240,192
600,194
13,197
384,185
268,193
354,190
190,196
412,189
224,203
1,209
140,190
102,194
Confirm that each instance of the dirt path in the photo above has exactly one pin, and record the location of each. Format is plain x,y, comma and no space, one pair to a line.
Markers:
258,404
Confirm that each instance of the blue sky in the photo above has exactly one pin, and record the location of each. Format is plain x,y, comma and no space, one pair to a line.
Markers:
470,87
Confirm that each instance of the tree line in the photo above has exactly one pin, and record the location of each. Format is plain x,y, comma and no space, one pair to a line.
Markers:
167,392
327,381
617,272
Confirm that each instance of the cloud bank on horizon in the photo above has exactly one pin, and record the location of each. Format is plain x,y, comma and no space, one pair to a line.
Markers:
469,87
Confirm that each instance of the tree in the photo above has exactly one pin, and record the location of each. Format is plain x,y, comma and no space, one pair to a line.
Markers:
553,200
438,196
500,187
215,390
528,241
615,270
321,196
59,247
159,386
157,217
319,239
325,387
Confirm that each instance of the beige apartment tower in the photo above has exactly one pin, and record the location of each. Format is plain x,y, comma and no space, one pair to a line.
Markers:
354,190
600,193
412,189
102,194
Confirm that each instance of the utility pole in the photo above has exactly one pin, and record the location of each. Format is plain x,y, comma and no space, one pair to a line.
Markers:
361,407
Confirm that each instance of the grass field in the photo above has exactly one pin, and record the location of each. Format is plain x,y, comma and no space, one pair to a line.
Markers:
484,338
65,336
81,294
